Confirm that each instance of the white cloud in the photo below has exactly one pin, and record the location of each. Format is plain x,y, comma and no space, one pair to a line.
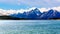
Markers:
56,8
8,12
44,9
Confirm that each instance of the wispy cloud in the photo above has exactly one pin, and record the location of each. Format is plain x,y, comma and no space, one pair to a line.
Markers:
33,3
9,1
41,3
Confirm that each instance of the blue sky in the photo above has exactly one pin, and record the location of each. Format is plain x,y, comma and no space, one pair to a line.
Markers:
24,4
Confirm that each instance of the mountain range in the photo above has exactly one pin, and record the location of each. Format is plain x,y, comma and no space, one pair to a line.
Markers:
36,14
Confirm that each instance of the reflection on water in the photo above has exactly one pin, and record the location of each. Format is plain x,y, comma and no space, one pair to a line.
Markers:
29,26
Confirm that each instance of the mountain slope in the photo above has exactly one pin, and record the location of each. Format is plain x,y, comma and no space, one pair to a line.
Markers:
36,14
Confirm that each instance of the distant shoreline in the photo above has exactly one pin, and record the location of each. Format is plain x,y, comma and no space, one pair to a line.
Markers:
29,19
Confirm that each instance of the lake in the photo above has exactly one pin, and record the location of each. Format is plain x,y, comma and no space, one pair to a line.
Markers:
29,26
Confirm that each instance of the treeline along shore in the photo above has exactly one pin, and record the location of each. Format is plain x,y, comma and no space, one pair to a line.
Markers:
15,18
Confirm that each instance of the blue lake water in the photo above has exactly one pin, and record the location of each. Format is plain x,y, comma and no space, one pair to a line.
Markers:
29,26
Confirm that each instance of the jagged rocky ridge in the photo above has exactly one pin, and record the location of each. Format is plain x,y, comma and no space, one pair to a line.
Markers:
36,14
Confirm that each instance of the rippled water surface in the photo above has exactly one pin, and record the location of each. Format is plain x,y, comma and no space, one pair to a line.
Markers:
29,26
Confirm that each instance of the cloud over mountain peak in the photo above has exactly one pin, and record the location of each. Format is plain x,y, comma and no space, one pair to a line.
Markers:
8,12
